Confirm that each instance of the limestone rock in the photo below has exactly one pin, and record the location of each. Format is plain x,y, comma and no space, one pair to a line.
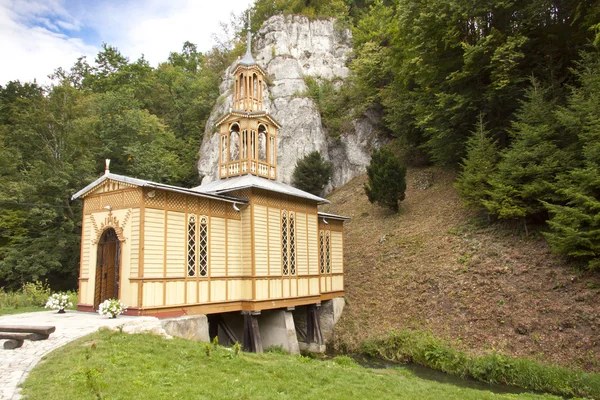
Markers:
289,48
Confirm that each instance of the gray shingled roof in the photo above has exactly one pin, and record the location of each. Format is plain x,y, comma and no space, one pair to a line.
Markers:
155,185
251,181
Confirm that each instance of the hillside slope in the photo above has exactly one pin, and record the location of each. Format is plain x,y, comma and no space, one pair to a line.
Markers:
481,287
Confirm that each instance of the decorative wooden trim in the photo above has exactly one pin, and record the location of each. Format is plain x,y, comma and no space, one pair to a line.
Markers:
165,248
81,245
111,221
85,308
332,295
252,234
142,245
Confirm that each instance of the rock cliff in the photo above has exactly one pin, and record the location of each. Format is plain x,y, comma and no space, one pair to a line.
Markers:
289,48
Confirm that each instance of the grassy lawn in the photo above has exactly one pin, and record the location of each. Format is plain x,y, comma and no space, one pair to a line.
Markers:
113,365
20,310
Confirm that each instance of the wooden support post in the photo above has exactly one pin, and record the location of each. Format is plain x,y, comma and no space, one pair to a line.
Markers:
213,325
313,326
252,341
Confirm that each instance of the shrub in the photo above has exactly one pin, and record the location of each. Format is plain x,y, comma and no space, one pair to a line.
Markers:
387,179
312,173
425,349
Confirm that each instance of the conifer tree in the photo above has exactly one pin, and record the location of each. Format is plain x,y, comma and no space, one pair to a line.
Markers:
387,179
477,167
529,168
312,173
575,223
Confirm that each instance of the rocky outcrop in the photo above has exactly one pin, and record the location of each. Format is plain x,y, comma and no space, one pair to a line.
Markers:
289,48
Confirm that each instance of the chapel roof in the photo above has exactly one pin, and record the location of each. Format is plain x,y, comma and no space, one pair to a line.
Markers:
252,181
144,183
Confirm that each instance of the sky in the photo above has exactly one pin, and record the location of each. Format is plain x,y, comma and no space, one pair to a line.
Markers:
38,36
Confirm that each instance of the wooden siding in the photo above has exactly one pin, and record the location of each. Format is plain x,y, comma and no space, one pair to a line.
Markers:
217,251
301,244
86,240
261,257
246,242
175,293
234,247
154,245
313,246
337,252
176,244
274,241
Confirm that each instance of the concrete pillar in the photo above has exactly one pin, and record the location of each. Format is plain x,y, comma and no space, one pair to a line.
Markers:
277,329
193,327
329,314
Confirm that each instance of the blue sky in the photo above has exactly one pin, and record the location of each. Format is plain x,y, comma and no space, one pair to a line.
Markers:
38,36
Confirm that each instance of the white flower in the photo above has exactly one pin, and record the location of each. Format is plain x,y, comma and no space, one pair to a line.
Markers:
58,301
112,307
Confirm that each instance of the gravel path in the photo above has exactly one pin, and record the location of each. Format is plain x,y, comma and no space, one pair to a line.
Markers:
16,364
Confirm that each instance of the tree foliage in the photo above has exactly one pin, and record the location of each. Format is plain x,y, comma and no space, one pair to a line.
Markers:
53,140
312,173
575,217
387,179
480,163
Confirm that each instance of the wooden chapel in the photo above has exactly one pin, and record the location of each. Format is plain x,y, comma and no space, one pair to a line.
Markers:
244,242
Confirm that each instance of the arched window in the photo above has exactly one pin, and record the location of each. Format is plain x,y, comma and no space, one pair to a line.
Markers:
223,148
284,243
288,243
327,253
322,250
191,246
234,142
203,246
262,143
292,233
272,150
252,144
244,144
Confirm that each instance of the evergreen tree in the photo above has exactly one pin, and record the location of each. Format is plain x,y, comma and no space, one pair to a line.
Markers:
387,179
529,168
477,167
312,173
575,223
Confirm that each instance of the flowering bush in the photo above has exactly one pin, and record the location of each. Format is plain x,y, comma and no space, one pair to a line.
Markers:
112,308
58,301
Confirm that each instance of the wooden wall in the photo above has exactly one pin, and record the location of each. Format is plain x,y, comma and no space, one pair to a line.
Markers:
241,266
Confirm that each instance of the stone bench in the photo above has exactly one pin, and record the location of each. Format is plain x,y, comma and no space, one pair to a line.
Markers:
15,335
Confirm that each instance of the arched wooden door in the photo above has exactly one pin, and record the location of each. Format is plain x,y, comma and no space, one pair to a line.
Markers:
107,267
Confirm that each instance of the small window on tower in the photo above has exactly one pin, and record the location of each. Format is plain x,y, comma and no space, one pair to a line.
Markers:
234,143
262,143
223,148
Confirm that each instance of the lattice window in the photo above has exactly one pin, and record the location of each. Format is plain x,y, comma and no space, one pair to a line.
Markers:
322,251
327,253
284,242
203,246
292,233
191,247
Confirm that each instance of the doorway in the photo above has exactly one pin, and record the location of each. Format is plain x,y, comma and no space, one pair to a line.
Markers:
107,267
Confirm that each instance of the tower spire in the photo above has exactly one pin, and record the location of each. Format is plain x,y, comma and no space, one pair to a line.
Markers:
249,38
248,59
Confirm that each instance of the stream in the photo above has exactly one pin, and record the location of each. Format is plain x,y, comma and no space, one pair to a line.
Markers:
438,376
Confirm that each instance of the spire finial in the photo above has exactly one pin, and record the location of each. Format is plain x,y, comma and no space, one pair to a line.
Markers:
249,38
106,166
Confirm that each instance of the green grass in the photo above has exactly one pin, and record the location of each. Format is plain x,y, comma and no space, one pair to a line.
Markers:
31,297
423,348
113,365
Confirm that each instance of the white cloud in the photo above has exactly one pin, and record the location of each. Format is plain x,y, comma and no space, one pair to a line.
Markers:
39,36
156,27
33,52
